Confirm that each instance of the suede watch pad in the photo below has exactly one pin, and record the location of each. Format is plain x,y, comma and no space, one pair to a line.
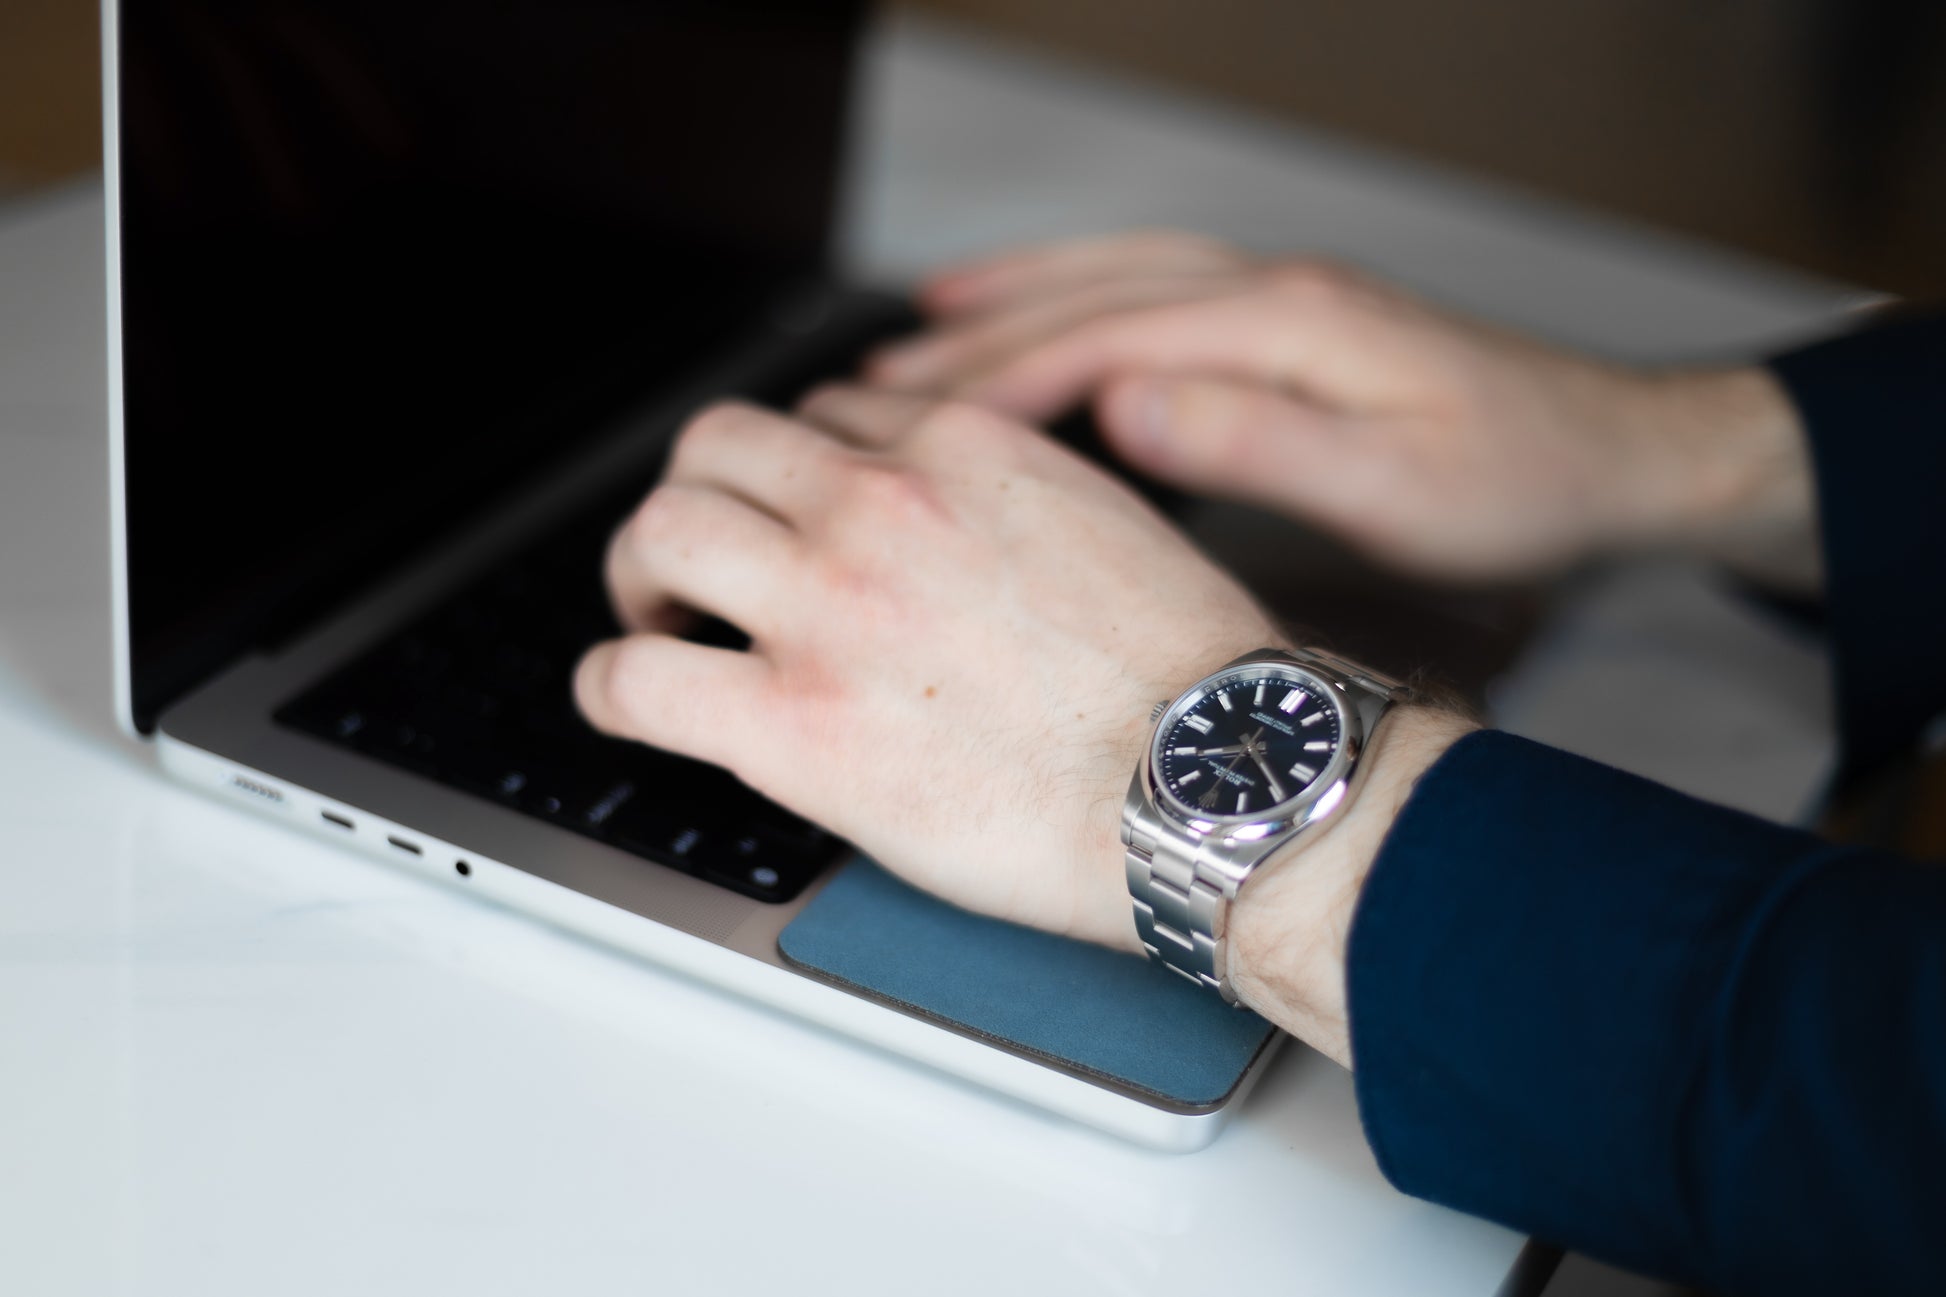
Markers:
1111,1015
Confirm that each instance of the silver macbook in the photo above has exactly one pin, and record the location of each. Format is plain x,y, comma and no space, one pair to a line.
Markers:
407,302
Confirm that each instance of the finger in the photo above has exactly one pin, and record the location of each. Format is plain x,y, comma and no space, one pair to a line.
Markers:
706,703
1239,440
1265,334
779,464
982,343
869,418
989,282
696,548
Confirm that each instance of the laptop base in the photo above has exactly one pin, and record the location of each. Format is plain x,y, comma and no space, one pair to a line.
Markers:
742,957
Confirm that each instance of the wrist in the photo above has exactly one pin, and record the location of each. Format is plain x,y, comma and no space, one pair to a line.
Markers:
1103,912
1722,469
1289,926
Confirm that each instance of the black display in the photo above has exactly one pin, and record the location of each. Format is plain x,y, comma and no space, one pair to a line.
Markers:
1249,745
380,262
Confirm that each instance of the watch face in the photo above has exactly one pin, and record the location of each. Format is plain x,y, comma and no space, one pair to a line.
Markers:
1256,740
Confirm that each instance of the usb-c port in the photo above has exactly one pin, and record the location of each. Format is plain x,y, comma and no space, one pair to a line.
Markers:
403,845
332,817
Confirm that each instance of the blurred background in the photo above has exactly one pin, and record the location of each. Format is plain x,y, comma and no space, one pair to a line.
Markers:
1803,131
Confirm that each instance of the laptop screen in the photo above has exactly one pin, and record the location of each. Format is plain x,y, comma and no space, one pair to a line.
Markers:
382,259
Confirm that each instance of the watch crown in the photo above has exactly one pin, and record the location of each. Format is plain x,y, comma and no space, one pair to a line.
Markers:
1155,712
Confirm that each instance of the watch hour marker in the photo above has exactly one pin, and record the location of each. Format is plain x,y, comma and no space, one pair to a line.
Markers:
1224,698
1201,724
1258,701
1189,777
1182,752
1317,745
1312,719
1243,802
1292,701
1303,773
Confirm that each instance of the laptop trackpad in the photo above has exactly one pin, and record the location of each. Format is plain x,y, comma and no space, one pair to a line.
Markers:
1109,1014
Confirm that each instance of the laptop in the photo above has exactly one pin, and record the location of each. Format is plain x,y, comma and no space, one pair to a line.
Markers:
408,300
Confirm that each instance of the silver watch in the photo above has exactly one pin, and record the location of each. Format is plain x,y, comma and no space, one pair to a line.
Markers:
1245,760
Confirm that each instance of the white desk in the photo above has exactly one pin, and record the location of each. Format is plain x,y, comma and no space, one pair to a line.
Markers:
233,1061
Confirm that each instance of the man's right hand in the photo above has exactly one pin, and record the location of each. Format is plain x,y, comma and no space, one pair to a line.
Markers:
1438,445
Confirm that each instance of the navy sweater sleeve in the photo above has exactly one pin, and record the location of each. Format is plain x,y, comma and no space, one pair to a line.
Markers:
1664,1033
1874,408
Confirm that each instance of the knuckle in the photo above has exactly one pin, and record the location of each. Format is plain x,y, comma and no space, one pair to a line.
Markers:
706,425
684,449
956,424
957,434
1312,279
654,520
887,488
839,578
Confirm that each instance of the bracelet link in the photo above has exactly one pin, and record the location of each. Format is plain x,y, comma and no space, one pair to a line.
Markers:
1372,682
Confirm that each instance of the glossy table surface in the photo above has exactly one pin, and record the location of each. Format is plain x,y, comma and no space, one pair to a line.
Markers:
236,1061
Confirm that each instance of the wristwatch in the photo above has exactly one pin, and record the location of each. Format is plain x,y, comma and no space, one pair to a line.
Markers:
1254,755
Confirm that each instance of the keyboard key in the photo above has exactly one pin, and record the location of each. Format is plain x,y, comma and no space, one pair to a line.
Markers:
499,775
760,864
618,796
654,832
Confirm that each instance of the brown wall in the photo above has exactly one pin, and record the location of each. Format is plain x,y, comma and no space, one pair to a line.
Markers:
50,118
1752,122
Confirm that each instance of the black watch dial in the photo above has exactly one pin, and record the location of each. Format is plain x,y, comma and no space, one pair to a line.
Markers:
1249,745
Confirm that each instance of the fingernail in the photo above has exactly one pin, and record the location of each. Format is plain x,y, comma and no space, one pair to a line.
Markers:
1141,412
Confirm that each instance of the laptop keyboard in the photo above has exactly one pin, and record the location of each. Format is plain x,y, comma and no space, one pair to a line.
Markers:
476,694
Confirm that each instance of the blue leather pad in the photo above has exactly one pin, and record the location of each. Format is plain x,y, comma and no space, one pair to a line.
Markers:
1107,1014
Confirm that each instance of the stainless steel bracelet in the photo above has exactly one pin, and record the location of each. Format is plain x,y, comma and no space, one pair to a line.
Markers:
1352,673
1182,901
1183,882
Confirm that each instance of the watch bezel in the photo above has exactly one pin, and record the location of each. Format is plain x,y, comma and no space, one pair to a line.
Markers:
1316,802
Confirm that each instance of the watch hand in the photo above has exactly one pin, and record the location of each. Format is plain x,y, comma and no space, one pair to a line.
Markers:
1276,789
1258,752
1208,800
